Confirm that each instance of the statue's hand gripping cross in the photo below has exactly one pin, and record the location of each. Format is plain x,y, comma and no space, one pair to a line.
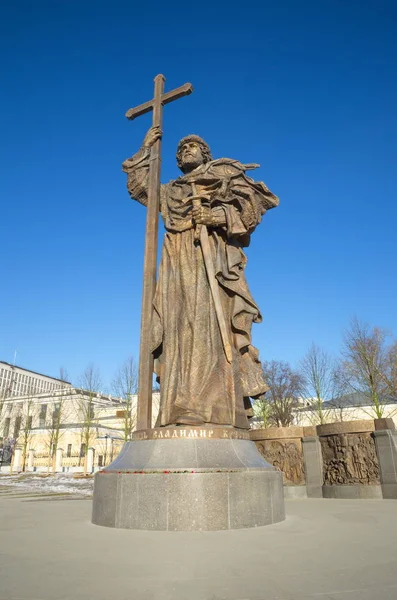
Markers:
144,409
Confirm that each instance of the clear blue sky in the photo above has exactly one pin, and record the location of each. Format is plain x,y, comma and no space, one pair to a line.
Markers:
306,89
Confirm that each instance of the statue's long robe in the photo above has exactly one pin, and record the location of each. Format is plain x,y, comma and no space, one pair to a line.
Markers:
197,383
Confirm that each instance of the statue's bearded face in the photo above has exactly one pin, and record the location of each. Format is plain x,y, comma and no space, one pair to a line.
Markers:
191,156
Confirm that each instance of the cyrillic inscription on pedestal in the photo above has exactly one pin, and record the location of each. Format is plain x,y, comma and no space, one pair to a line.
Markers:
192,433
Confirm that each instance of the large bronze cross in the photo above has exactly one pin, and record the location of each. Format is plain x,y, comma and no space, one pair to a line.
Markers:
145,381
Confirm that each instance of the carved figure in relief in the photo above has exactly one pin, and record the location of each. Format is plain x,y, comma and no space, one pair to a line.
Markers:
286,457
207,372
349,459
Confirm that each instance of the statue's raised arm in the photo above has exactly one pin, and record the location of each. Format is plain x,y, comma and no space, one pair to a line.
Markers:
137,167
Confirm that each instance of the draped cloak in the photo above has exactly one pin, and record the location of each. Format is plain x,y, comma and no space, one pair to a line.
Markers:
197,383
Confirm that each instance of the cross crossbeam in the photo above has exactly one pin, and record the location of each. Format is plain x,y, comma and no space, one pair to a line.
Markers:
145,377
183,90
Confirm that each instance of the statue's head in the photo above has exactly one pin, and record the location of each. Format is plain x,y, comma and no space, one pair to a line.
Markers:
192,152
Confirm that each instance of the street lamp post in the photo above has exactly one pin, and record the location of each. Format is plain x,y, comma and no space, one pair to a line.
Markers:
111,449
106,448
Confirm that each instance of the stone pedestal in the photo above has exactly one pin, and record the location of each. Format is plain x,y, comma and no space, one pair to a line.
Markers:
386,448
17,461
188,479
313,466
30,459
90,460
58,460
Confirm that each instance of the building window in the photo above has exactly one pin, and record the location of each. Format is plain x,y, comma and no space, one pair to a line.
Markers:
82,451
29,423
7,422
43,415
69,451
56,414
17,427
100,460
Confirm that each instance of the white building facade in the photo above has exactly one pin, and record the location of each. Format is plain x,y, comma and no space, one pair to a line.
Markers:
17,381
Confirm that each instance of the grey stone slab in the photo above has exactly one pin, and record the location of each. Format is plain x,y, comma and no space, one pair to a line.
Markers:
123,450
313,466
389,491
217,454
353,492
156,454
277,496
172,454
255,498
198,502
191,501
259,511
387,455
314,491
152,502
295,492
249,455
134,457
127,502
105,501
183,453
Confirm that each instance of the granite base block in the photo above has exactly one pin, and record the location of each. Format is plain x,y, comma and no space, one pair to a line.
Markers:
389,491
353,492
386,448
314,491
189,496
313,466
295,492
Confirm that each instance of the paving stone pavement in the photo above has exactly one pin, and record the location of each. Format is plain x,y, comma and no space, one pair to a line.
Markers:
325,550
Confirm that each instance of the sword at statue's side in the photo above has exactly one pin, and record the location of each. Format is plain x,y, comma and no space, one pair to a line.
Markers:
212,280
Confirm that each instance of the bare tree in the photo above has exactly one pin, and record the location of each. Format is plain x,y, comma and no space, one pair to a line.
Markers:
90,383
339,408
391,369
262,408
322,381
3,398
55,424
6,407
5,394
367,364
125,386
63,374
24,424
284,393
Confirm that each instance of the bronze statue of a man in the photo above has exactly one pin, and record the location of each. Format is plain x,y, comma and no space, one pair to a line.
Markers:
199,382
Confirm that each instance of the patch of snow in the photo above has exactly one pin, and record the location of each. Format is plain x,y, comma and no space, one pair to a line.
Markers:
61,484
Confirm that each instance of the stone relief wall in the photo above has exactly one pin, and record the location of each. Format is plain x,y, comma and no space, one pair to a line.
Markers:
350,459
287,457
